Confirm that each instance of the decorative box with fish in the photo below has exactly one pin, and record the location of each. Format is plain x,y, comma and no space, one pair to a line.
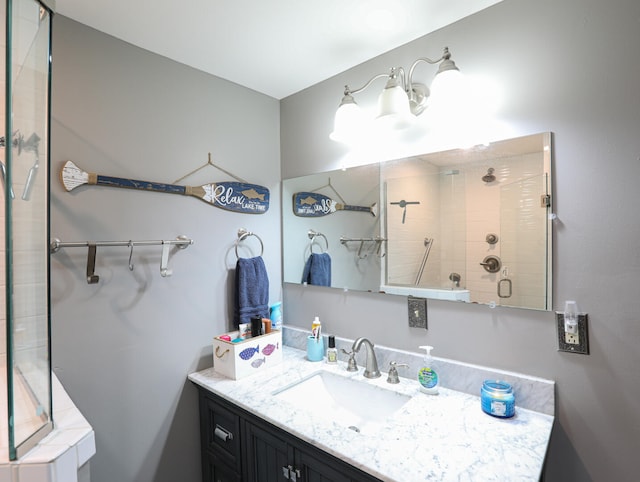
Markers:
244,358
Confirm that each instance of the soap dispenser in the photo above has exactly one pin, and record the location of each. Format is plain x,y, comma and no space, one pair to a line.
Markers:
427,377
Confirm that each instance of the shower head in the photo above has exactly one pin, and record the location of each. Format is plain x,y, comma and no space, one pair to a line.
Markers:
489,177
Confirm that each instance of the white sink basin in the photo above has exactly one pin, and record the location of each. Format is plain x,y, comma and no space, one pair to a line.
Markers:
355,404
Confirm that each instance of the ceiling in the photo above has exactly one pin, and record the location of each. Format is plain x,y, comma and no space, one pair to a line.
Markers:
276,47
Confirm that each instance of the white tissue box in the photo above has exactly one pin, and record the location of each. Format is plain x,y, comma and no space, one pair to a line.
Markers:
244,358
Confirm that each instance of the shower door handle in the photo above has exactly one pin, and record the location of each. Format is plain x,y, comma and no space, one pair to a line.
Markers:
3,171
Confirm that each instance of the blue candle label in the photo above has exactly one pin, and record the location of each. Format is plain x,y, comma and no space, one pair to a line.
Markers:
427,377
498,408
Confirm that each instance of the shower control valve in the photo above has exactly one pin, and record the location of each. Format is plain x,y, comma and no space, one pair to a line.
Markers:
492,264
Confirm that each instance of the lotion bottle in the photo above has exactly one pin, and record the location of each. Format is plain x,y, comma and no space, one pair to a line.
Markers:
427,377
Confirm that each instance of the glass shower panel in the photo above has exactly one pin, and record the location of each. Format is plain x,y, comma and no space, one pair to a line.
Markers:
27,224
452,244
425,222
523,221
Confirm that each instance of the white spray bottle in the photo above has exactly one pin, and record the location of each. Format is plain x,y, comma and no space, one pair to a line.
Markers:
427,377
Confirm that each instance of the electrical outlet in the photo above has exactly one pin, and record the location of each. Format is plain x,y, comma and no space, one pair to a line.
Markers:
573,342
571,338
417,312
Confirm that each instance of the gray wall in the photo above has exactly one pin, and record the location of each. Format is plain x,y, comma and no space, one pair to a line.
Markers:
568,67
123,347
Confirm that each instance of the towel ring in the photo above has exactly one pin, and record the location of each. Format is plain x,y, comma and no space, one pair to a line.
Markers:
312,236
242,235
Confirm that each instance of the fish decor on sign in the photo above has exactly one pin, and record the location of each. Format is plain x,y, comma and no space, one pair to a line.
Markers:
239,197
313,205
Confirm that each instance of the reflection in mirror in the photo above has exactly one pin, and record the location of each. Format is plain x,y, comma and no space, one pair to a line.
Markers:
478,226
466,225
322,215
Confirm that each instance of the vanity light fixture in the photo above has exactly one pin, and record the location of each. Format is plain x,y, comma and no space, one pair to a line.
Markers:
401,101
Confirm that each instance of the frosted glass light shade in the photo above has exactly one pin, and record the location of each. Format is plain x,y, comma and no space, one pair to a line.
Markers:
393,108
447,87
393,101
349,123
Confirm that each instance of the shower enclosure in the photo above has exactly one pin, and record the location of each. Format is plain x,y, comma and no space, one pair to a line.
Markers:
25,365
478,228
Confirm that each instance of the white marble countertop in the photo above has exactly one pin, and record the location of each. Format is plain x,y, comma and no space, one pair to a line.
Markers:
444,437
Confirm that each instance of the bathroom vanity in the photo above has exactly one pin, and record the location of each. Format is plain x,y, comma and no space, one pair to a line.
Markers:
255,429
236,442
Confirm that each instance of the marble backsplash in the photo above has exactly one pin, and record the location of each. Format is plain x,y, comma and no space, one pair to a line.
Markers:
532,393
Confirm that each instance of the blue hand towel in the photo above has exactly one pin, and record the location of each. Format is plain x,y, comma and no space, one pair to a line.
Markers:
317,270
252,290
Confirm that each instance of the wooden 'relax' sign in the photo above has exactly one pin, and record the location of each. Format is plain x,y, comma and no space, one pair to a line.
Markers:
238,197
313,205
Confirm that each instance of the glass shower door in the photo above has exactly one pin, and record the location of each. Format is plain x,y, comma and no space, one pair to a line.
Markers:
26,193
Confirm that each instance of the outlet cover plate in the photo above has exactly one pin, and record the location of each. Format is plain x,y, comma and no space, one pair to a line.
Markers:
417,312
578,343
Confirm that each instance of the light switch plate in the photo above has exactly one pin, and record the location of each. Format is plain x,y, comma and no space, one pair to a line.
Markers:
578,343
417,312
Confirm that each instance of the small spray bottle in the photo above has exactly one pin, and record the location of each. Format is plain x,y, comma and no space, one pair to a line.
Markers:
427,377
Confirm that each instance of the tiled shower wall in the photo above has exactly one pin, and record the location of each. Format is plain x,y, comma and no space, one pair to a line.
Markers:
458,210
510,208
405,246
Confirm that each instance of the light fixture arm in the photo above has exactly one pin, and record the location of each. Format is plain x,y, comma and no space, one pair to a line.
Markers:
348,91
417,92
445,56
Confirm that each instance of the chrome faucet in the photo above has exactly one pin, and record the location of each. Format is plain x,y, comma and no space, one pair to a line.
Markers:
371,367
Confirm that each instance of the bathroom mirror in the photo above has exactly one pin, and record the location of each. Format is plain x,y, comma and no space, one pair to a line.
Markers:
321,226
471,225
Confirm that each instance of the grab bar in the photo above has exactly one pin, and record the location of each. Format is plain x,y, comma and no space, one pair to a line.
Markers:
427,243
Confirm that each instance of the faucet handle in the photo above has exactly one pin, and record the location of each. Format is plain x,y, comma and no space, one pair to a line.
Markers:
351,363
393,372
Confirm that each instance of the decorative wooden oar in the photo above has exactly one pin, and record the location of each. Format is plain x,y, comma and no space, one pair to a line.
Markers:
239,197
312,205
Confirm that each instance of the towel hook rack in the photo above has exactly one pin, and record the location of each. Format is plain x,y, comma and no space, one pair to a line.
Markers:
313,235
378,240
244,234
180,242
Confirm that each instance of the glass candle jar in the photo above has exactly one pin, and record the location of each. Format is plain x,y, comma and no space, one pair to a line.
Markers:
497,399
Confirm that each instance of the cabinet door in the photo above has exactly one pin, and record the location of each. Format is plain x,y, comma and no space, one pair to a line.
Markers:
216,471
266,456
317,466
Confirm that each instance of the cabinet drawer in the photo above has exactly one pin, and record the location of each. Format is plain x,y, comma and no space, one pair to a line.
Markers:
221,432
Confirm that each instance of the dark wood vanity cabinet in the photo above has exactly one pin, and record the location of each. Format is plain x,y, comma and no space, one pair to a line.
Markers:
240,447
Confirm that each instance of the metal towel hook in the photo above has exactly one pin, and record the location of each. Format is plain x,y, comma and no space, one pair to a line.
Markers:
92,278
130,255
164,261
360,255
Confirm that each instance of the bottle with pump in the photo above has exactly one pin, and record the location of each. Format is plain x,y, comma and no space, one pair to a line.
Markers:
427,377
275,313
